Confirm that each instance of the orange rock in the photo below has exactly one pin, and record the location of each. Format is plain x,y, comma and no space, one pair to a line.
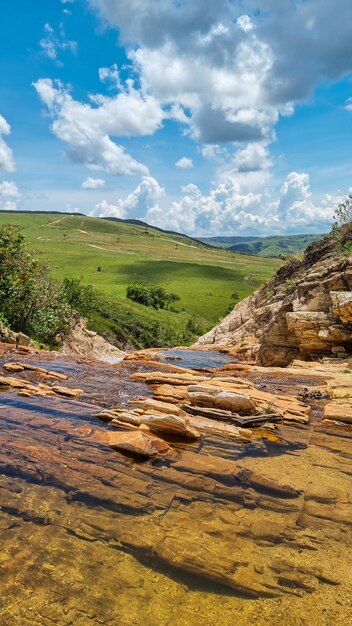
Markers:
136,442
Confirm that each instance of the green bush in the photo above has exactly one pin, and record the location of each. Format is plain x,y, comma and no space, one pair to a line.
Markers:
81,298
150,295
30,300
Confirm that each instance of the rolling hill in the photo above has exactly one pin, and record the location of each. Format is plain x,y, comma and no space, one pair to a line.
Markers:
109,254
274,246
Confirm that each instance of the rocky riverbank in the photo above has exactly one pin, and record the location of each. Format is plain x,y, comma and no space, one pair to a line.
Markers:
304,312
222,494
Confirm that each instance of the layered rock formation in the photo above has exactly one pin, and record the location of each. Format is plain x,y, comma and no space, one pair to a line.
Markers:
304,312
88,344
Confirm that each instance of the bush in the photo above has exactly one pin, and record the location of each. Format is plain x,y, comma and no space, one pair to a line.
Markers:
30,300
81,298
150,295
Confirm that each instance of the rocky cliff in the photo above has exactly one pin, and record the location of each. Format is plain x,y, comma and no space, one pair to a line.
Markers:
305,311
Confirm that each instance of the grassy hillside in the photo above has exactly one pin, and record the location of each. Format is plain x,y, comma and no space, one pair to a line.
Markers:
275,246
109,254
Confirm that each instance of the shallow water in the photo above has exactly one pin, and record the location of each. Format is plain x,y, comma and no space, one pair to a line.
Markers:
89,536
197,359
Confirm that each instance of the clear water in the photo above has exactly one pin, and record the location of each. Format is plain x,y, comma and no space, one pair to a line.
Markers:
90,537
197,359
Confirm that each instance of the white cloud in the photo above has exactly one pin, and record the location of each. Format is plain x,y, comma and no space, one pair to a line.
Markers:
348,104
184,163
104,209
9,205
53,43
6,157
93,183
9,190
245,23
229,69
230,209
110,75
137,204
296,206
253,157
10,194
87,129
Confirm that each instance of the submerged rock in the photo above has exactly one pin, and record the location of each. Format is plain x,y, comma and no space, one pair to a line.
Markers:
136,442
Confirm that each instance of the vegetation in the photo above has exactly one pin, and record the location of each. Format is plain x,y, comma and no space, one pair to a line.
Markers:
30,301
150,295
341,232
105,256
270,247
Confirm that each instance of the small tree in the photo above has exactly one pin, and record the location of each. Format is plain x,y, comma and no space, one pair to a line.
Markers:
82,298
343,213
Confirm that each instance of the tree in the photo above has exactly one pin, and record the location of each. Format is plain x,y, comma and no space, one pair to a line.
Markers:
343,213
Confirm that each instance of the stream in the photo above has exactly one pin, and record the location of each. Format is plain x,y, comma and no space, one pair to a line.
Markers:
91,536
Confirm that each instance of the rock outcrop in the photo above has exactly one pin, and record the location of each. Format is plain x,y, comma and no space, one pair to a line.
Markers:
304,312
88,344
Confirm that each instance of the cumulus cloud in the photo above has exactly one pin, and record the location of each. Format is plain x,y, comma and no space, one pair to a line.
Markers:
93,183
230,69
111,76
253,157
184,163
229,209
53,43
9,195
87,129
137,204
296,206
6,157
9,190
348,104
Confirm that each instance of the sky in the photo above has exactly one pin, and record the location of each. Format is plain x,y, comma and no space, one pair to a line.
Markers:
208,117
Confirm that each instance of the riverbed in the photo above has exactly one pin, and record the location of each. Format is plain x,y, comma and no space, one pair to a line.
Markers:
92,536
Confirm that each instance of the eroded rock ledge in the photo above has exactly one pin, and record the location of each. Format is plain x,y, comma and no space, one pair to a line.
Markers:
304,312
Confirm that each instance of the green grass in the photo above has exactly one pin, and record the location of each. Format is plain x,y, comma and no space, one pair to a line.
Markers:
204,278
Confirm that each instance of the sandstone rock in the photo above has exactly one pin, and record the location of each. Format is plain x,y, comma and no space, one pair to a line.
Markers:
238,403
136,442
168,378
85,344
342,305
156,405
64,391
303,312
13,367
315,331
338,412
170,425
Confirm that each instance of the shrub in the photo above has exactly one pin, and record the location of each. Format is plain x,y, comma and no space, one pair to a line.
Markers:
81,298
150,295
30,300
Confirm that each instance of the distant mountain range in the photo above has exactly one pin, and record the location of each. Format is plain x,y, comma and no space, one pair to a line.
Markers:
274,246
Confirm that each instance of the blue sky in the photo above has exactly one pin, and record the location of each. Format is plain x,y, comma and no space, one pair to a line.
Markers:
231,117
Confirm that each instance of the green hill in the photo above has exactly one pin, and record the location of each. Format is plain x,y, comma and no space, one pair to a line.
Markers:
109,254
274,246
